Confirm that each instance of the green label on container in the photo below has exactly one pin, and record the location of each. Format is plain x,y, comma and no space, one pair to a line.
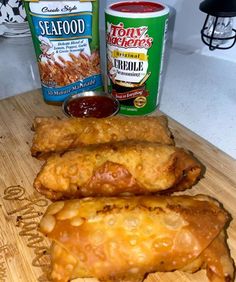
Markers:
135,48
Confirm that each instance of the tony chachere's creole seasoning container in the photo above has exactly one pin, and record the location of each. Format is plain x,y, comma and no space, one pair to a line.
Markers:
135,37
66,41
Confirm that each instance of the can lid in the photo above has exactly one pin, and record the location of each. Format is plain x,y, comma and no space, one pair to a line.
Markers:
137,7
134,9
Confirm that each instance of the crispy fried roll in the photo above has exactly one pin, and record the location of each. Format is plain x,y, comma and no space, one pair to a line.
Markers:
115,169
123,239
54,135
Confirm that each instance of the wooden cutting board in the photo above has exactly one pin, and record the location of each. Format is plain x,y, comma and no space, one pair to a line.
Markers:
23,250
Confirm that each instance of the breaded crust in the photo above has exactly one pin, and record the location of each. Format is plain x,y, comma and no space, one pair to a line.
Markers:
117,169
56,135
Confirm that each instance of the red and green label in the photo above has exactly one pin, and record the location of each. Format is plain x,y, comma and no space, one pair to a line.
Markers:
135,47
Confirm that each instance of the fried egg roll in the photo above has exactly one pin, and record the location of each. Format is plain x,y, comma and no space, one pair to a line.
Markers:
124,239
55,135
115,169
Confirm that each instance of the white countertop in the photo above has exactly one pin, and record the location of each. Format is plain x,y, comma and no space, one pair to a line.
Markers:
198,91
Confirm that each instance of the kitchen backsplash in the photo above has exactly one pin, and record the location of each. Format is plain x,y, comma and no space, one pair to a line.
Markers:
188,21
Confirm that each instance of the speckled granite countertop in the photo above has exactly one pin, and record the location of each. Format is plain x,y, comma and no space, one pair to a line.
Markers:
198,91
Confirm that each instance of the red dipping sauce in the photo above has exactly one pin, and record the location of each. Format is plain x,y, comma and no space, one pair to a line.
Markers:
137,7
91,106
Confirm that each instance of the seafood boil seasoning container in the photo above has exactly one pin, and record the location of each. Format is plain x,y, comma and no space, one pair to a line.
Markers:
135,38
66,41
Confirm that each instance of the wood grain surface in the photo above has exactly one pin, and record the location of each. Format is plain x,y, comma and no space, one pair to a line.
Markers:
23,250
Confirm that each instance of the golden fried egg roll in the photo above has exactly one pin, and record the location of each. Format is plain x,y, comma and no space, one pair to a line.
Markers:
124,239
55,135
115,169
